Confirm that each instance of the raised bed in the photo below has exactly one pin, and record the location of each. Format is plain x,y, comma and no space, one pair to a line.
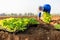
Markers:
39,32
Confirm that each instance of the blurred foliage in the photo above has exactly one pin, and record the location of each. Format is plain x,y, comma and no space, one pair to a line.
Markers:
16,24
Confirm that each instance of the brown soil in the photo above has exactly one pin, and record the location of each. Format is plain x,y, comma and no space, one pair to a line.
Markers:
39,32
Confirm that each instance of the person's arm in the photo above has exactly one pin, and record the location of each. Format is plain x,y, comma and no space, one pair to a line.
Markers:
39,15
40,11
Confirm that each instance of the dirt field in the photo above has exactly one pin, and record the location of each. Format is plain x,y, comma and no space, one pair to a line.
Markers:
39,32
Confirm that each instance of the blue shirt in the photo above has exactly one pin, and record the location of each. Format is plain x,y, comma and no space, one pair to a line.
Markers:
47,8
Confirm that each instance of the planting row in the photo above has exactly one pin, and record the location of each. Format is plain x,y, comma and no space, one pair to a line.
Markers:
16,24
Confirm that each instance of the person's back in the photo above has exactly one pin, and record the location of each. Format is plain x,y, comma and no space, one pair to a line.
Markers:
47,8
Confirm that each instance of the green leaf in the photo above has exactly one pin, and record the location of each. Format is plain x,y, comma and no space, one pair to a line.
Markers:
17,24
57,26
33,21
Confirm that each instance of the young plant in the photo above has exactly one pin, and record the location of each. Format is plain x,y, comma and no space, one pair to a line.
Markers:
33,21
16,24
57,26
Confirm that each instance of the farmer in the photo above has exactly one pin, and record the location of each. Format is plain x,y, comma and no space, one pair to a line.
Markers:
46,17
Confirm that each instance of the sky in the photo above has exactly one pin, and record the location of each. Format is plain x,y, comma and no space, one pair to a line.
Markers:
25,6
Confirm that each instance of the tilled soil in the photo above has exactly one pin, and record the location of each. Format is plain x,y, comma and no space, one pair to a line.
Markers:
33,33
39,32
